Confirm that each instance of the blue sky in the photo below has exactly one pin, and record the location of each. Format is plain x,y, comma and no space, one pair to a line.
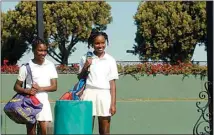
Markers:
121,34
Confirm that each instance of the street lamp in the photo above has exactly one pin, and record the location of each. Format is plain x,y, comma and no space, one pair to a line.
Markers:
39,19
209,9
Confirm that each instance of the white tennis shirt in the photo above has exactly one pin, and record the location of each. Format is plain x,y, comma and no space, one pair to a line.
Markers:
102,70
42,74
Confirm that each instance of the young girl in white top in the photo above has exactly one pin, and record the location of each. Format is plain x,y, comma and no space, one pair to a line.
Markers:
100,84
45,80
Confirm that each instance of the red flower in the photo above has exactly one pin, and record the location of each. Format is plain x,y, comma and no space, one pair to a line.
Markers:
146,68
5,62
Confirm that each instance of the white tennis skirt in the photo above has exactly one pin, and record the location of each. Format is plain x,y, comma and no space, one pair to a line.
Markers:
45,114
101,101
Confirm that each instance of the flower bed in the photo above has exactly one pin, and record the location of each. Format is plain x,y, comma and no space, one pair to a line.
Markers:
9,69
163,68
142,69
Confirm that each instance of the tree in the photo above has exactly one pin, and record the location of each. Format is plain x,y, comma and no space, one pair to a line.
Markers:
66,24
12,46
169,30
12,50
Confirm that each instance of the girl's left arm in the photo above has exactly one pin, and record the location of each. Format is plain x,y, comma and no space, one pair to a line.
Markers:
112,77
112,108
53,81
113,92
51,88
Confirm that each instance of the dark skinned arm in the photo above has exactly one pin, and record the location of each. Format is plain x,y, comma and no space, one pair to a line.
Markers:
84,71
113,96
18,88
51,88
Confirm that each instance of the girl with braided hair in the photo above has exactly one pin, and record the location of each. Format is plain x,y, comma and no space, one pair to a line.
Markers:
44,77
100,84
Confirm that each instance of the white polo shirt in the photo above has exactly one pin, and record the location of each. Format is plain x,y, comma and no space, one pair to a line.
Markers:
102,70
42,74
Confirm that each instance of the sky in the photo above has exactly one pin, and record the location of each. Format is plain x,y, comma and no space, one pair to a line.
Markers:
121,34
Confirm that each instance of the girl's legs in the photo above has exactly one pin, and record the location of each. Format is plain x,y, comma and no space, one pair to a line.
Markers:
93,123
104,125
31,129
43,127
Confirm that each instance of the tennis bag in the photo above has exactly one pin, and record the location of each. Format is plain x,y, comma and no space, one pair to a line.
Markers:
76,92
23,108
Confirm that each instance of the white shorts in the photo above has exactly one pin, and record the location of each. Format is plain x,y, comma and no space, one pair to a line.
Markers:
45,114
101,101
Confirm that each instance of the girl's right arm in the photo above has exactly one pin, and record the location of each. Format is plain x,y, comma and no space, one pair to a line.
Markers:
83,72
18,88
19,82
84,68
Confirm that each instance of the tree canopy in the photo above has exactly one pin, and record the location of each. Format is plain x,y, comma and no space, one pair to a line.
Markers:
169,30
65,24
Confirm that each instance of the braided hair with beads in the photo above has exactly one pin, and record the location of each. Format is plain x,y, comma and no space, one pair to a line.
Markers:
37,41
94,34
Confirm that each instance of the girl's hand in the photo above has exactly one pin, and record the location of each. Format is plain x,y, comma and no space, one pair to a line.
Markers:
35,86
112,110
88,62
31,91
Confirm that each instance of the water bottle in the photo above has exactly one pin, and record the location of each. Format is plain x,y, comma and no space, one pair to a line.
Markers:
89,55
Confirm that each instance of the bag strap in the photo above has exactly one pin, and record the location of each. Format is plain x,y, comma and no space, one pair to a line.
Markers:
29,73
81,82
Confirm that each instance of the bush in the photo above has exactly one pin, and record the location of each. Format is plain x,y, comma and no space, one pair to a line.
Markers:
133,69
166,69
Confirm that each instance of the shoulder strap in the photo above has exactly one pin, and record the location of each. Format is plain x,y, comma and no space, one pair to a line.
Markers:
29,73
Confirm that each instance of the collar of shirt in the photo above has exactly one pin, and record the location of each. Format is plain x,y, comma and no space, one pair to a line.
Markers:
44,63
102,58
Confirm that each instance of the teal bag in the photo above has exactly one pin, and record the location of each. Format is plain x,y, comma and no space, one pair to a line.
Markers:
73,117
